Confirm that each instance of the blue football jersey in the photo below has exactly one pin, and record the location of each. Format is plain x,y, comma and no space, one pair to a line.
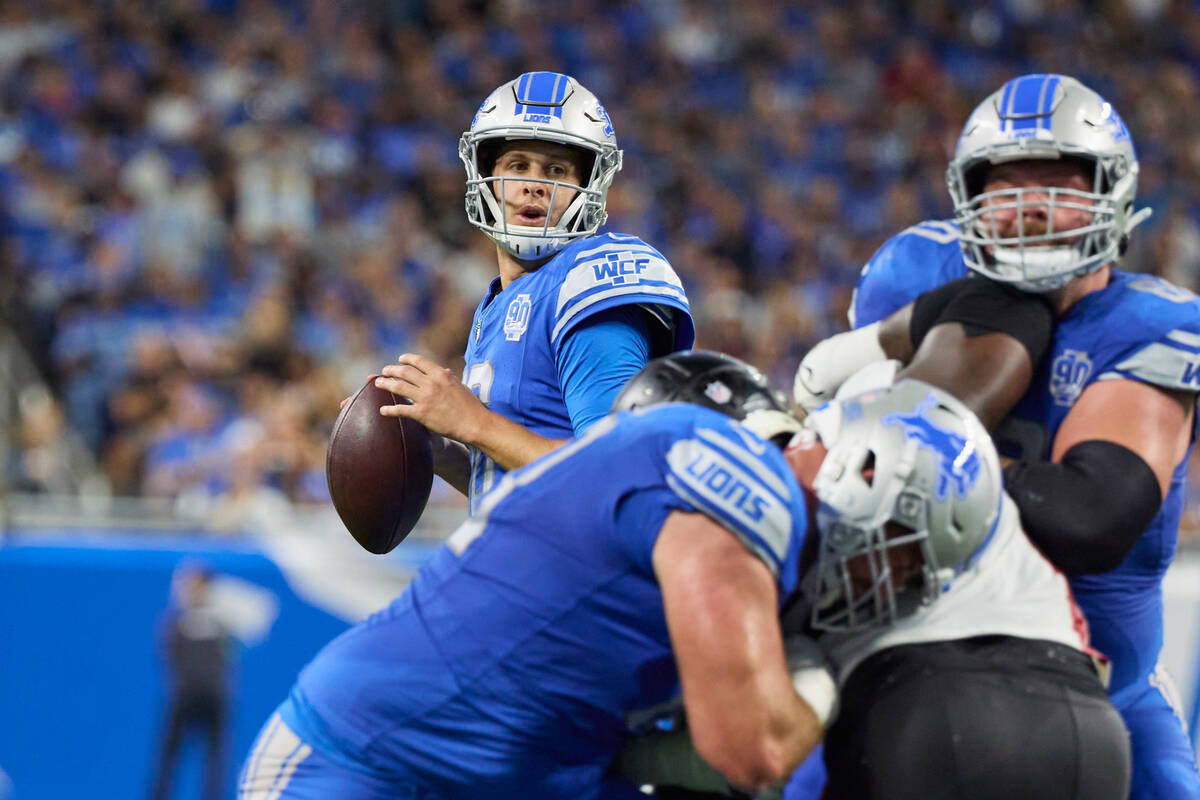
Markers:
509,665
1138,328
518,332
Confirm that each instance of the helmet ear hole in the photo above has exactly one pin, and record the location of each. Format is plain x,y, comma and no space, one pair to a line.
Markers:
868,468
485,156
1088,168
975,177
585,161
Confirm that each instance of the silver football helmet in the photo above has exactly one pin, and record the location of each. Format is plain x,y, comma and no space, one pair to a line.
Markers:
549,107
1044,117
909,495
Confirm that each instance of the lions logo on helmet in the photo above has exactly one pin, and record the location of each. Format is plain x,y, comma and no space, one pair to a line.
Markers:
959,462
1044,117
909,493
549,107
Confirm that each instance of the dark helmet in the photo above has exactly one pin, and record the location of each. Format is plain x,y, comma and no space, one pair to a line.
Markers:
715,380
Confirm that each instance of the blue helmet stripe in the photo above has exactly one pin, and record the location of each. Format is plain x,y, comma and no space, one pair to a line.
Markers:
543,88
523,92
1027,102
560,93
1006,106
1048,90
545,91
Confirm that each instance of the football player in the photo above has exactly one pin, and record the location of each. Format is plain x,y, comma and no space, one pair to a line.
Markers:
573,313
961,658
1043,181
650,553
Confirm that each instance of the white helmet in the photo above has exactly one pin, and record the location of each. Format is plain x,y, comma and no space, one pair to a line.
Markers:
912,455
549,107
1044,117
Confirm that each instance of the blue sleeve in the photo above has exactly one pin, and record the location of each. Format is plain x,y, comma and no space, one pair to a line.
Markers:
612,270
913,261
880,291
640,516
708,464
746,487
598,357
716,477
1159,342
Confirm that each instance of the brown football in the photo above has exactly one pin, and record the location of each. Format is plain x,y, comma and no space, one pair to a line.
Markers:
380,470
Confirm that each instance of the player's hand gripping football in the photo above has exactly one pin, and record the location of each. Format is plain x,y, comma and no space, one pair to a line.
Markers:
440,401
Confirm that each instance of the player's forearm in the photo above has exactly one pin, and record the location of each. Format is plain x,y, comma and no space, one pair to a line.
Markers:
759,743
721,603
452,462
507,443
987,373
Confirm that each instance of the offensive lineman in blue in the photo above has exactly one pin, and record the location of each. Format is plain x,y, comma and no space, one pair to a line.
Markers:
1043,182
573,313
654,550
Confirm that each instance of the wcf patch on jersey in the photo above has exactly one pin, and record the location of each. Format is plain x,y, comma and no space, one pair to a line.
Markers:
516,320
1068,375
621,269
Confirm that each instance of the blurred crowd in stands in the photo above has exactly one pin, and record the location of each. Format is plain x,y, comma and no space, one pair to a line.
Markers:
218,216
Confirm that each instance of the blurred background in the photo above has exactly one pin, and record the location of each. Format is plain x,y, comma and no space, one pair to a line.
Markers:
218,216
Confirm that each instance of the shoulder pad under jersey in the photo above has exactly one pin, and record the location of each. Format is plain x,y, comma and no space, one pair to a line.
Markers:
615,269
1155,327
730,475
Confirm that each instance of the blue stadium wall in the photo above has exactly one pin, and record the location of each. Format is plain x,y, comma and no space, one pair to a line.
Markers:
83,688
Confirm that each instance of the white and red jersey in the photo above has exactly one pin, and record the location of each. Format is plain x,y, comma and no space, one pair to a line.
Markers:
1012,590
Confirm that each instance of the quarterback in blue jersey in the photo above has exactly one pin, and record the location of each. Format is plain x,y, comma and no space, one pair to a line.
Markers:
572,315
1043,181
652,553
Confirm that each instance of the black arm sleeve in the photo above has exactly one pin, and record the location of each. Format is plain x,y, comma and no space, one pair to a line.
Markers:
1086,513
984,306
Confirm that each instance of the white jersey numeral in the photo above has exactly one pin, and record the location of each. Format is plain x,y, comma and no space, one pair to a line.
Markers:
1160,288
938,231
479,380
483,469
